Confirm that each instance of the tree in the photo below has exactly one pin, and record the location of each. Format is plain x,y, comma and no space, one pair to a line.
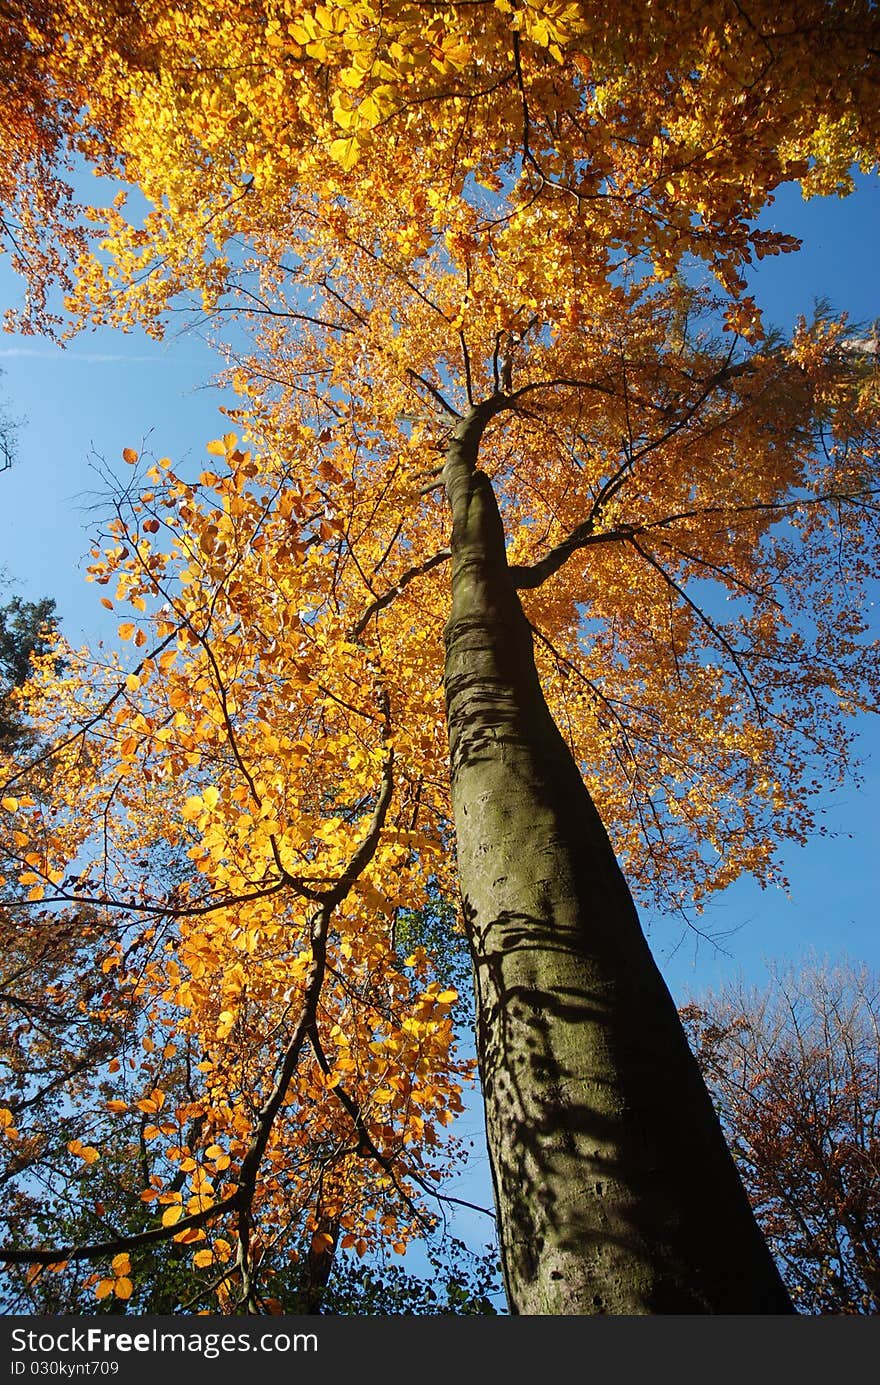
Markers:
8,428
49,1046
467,241
26,629
102,1182
39,222
794,1071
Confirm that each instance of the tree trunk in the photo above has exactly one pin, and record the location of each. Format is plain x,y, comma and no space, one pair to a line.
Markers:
614,1187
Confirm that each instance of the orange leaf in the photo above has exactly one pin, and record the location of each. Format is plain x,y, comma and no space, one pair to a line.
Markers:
190,1234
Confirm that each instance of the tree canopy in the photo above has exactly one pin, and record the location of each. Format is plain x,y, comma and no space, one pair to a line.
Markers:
427,237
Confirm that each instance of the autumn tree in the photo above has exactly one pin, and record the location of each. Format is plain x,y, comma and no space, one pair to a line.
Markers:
517,486
39,225
794,1071
49,1046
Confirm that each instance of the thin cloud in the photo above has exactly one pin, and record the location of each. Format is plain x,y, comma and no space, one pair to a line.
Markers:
91,357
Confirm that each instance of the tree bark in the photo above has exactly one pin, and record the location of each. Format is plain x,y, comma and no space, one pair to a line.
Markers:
615,1189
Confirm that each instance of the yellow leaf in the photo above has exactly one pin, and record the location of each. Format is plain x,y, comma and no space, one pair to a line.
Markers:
152,1103
10,804
172,1215
126,630
345,152
129,455
202,1200
104,1288
217,447
369,111
202,1258
121,1263
123,1287
132,682
343,117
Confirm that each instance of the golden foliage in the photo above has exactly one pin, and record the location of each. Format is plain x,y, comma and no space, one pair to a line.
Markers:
410,210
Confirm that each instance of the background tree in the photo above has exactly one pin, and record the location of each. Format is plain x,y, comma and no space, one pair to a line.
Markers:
26,628
51,1047
8,427
457,236
794,1071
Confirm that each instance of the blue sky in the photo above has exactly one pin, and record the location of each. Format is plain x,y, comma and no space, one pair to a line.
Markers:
108,391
